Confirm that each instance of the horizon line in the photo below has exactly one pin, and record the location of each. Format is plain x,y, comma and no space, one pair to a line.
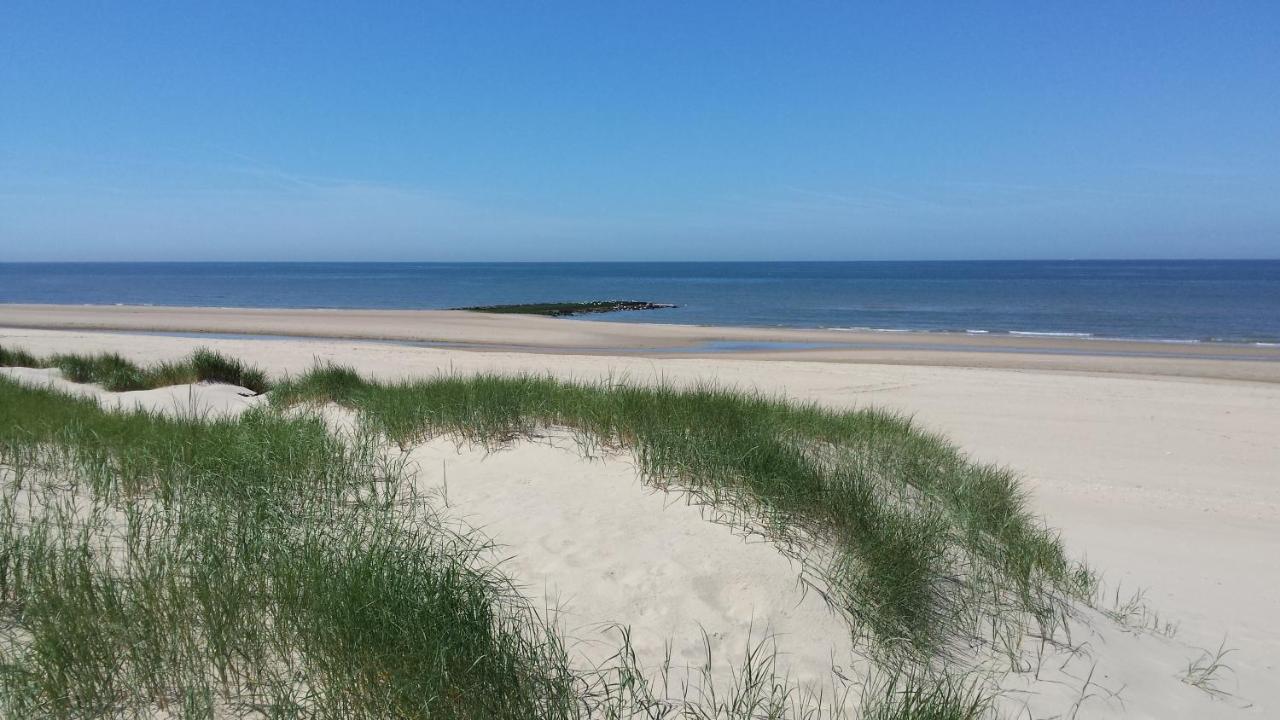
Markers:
628,262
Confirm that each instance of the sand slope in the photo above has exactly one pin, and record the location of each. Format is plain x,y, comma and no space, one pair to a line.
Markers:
586,538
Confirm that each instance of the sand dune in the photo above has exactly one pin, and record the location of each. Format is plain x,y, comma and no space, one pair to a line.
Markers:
1167,484
588,539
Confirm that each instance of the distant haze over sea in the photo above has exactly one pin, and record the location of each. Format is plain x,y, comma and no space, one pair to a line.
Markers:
1191,300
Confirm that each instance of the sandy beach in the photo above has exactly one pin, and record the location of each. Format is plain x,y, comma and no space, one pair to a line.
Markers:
1157,464
480,331
828,361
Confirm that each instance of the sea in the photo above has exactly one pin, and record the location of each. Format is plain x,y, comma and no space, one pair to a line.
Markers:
1185,301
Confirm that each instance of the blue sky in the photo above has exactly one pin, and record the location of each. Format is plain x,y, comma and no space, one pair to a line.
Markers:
638,131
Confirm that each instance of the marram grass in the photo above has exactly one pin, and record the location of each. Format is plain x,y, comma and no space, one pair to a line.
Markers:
184,567
929,545
116,373
223,567
257,566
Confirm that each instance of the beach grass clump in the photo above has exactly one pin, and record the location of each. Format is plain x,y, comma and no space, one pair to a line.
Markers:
12,357
116,373
214,367
110,370
905,696
929,546
208,567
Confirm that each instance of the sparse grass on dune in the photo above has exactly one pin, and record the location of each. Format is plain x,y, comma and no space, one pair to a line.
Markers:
118,374
930,545
902,697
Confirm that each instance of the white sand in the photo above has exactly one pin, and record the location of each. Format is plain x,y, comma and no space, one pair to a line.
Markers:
586,538
1169,484
528,333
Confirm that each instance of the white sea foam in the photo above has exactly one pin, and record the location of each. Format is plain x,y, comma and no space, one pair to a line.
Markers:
1036,333
1164,341
877,330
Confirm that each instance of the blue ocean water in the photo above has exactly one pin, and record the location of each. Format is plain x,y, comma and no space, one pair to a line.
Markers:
1201,300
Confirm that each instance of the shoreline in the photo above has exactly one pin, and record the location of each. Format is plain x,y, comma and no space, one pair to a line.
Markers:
481,332
855,331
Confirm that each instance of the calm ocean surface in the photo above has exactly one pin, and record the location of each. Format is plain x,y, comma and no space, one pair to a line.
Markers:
1236,301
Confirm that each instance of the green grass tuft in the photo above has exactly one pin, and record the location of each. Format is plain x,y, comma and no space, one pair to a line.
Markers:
210,366
907,697
118,374
109,370
10,357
